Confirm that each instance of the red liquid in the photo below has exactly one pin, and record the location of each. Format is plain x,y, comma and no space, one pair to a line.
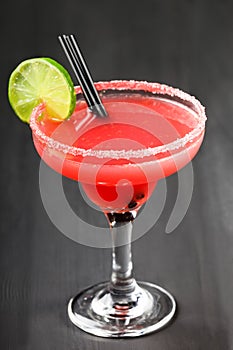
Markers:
136,122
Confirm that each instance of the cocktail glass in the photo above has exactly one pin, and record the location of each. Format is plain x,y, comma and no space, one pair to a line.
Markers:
152,131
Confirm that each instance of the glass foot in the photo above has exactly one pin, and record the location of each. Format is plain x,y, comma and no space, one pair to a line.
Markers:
104,314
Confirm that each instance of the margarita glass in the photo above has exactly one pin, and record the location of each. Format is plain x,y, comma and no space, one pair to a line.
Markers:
152,131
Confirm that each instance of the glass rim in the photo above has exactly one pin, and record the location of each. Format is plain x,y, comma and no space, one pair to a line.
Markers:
121,85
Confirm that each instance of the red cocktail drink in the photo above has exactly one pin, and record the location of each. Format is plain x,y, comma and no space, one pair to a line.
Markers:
141,132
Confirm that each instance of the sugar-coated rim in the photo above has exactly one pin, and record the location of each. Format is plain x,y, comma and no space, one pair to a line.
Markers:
155,88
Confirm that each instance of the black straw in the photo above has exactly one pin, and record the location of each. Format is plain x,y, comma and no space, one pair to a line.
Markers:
79,66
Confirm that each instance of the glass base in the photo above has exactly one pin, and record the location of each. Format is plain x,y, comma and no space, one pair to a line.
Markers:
104,314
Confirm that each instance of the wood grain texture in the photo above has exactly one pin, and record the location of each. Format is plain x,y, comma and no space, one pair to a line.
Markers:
184,43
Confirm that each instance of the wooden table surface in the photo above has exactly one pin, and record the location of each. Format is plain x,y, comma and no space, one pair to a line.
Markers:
183,43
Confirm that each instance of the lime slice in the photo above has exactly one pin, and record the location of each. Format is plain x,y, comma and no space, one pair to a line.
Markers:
38,80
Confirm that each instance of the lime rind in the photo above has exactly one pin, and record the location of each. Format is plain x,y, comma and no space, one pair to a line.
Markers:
39,80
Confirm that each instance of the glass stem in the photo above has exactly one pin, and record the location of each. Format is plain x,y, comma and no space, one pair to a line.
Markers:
122,281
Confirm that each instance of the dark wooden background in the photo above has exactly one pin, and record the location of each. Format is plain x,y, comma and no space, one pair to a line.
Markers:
184,43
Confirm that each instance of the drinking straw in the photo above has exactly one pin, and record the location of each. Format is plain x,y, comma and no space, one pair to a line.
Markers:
82,73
